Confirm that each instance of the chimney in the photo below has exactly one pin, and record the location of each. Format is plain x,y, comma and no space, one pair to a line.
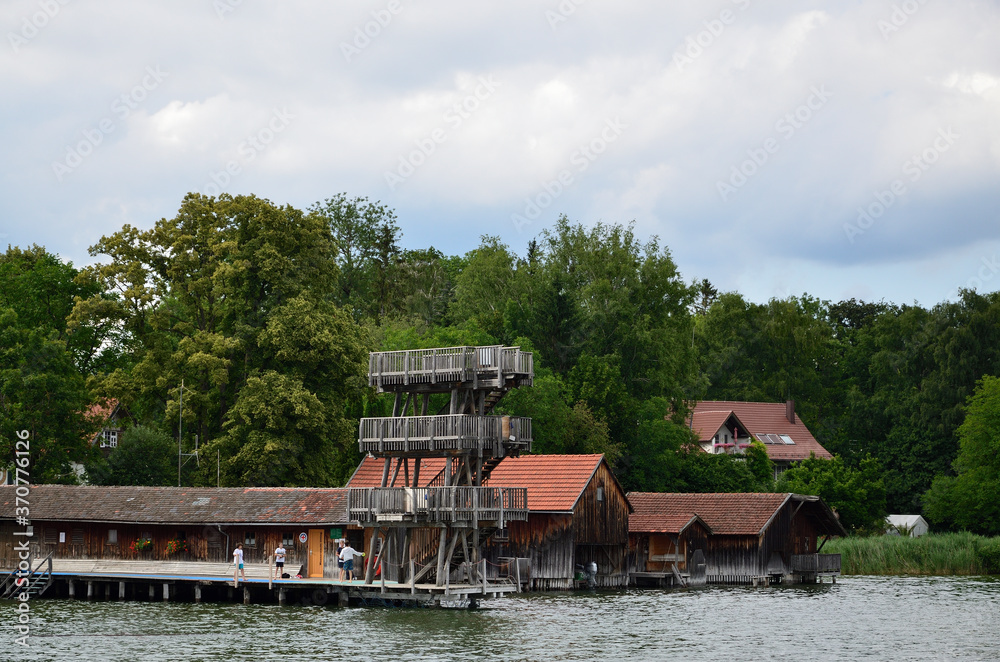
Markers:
790,411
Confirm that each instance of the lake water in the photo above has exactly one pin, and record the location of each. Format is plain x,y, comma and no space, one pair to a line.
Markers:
876,618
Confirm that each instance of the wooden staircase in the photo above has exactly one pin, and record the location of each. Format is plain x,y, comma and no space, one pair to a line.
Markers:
38,580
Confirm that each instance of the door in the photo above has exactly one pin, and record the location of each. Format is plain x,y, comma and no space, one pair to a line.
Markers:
315,567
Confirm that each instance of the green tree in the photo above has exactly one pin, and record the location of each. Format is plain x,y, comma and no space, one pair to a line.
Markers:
858,495
143,456
971,499
233,296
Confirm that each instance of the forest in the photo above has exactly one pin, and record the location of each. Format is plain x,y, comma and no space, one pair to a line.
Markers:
266,314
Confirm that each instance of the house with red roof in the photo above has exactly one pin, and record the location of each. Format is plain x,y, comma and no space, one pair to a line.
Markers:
577,515
692,539
726,426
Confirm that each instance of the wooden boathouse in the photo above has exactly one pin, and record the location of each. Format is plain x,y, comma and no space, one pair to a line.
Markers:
731,538
577,514
197,524
433,531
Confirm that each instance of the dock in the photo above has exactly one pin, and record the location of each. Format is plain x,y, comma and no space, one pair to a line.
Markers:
185,581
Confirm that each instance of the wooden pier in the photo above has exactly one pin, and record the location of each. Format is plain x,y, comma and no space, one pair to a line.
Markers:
213,582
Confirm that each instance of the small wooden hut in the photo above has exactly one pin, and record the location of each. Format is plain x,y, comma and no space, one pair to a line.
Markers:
102,523
743,538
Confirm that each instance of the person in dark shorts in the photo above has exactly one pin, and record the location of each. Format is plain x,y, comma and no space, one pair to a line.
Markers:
348,554
279,561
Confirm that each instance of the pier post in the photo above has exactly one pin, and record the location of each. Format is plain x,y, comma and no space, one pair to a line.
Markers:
342,598
246,595
121,590
197,592
72,589
152,592
107,591
90,590
229,592
166,592
282,596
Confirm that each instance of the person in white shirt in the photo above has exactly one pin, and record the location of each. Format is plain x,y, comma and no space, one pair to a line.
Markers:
279,561
347,554
238,562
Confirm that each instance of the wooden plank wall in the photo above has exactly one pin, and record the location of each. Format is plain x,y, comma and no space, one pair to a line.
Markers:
90,540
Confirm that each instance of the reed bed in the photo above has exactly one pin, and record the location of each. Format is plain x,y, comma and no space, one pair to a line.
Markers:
931,554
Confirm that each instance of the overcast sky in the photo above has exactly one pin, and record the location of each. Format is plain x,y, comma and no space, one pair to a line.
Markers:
839,149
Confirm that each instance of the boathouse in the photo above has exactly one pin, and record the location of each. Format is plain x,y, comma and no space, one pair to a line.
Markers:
577,514
180,524
742,538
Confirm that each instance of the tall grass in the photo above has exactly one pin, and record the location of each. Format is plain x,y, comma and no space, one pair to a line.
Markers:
932,554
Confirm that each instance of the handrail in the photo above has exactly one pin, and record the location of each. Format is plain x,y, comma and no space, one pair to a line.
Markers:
9,585
490,434
443,504
449,364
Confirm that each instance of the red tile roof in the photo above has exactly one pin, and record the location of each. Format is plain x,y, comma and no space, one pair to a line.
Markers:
181,505
554,482
369,472
725,514
758,418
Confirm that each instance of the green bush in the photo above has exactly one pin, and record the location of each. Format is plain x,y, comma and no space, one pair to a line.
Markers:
989,553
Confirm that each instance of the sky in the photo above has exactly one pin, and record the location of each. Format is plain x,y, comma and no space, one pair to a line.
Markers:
836,149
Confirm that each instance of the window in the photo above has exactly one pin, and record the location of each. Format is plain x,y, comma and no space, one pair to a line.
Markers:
786,439
600,494
50,536
77,538
109,438
112,536
501,535
288,539
146,535
250,540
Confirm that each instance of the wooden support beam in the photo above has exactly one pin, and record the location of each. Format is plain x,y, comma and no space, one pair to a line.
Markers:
385,472
441,547
152,592
406,470
197,592
166,592
282,596
447,559
416,472
395,472
397,404
121,590
72,588
246,595
90,590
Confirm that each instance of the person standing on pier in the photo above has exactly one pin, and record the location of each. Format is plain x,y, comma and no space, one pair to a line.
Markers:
347,554
279,561
340,558
238,562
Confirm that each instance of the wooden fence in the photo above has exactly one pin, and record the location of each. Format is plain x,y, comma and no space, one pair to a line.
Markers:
450,364
438,504
494,436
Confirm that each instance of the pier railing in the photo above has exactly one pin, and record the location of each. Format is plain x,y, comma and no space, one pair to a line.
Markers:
494,436
493,363
816,563
438,504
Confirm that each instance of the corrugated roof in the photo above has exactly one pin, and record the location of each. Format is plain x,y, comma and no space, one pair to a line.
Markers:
554,482
181,505
725,514
759,418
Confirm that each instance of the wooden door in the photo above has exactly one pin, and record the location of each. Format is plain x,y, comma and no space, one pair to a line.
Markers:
315,567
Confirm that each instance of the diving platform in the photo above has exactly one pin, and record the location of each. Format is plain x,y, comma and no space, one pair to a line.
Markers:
448,434
437,506
443,369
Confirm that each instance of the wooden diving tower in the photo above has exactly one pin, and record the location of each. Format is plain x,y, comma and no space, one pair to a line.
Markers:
430,530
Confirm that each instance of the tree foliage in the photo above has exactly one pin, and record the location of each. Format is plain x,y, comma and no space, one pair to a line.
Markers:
143,456
856,494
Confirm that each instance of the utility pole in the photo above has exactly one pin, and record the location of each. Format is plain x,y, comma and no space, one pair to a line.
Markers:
180,432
